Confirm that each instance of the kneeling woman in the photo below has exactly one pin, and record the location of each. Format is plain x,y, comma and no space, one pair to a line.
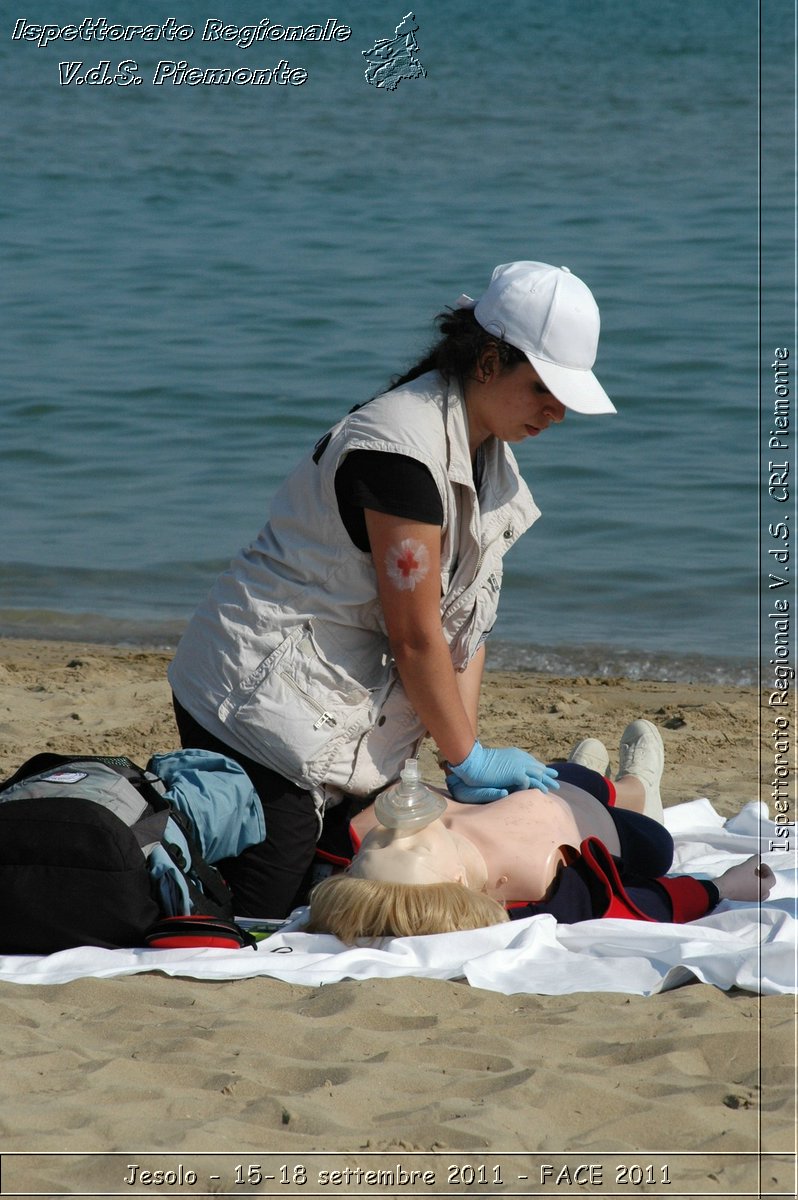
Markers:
580,854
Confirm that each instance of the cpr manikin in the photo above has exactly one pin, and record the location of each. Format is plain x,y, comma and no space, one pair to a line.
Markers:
511,849
427,864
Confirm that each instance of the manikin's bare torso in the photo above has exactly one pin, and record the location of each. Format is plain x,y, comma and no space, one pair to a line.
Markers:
512,848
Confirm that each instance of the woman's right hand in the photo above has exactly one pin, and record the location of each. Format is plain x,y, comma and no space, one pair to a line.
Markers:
472,795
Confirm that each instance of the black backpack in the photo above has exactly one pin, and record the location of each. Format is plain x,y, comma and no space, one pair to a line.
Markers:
92,854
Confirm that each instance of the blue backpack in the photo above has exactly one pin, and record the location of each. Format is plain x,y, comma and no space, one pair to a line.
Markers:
95,851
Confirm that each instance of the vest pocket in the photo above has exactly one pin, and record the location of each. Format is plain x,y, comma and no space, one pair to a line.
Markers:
297,710
394,737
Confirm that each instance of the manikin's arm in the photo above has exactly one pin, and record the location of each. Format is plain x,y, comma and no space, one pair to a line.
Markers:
751,880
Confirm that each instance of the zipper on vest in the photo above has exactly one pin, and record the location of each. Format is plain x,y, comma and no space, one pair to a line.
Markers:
325,717
507,534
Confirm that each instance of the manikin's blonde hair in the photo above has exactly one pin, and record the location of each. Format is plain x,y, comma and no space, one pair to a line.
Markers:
353,908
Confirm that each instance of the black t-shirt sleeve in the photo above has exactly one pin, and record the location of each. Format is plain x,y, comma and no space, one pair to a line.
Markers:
387,483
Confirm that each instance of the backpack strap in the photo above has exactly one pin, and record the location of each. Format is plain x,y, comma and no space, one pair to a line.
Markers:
215,898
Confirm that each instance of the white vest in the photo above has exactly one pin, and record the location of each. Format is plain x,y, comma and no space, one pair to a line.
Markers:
288,660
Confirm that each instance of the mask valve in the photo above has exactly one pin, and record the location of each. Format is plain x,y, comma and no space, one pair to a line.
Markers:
408,805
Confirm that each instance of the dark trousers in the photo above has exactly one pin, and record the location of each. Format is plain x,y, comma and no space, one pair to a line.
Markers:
269,879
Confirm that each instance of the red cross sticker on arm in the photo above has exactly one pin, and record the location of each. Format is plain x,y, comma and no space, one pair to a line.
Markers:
407,564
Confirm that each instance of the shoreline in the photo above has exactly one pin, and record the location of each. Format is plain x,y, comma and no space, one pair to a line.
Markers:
96,698
567,658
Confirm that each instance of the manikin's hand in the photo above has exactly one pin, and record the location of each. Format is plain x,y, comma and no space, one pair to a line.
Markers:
751,880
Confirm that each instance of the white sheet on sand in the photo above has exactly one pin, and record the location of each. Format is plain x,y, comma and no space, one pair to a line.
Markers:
749,946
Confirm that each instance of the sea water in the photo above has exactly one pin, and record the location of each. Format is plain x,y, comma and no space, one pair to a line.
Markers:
199,280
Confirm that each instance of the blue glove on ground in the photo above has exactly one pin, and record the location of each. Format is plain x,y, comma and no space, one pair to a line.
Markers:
489,774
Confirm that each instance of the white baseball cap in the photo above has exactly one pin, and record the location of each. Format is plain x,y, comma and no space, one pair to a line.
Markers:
550,315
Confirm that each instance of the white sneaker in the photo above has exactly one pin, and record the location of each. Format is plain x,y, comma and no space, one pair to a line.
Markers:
591,753
642,754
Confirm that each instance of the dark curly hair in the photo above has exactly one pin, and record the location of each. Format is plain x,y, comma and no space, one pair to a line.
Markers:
459,349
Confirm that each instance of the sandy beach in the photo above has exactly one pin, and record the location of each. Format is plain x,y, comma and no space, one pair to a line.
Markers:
409,1065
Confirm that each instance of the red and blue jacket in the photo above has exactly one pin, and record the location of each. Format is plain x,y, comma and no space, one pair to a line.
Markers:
595,884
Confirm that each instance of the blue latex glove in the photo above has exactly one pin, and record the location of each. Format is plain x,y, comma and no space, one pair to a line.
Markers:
472,795
508,769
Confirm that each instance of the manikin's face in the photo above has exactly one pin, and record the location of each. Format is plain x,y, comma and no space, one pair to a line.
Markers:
432,855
